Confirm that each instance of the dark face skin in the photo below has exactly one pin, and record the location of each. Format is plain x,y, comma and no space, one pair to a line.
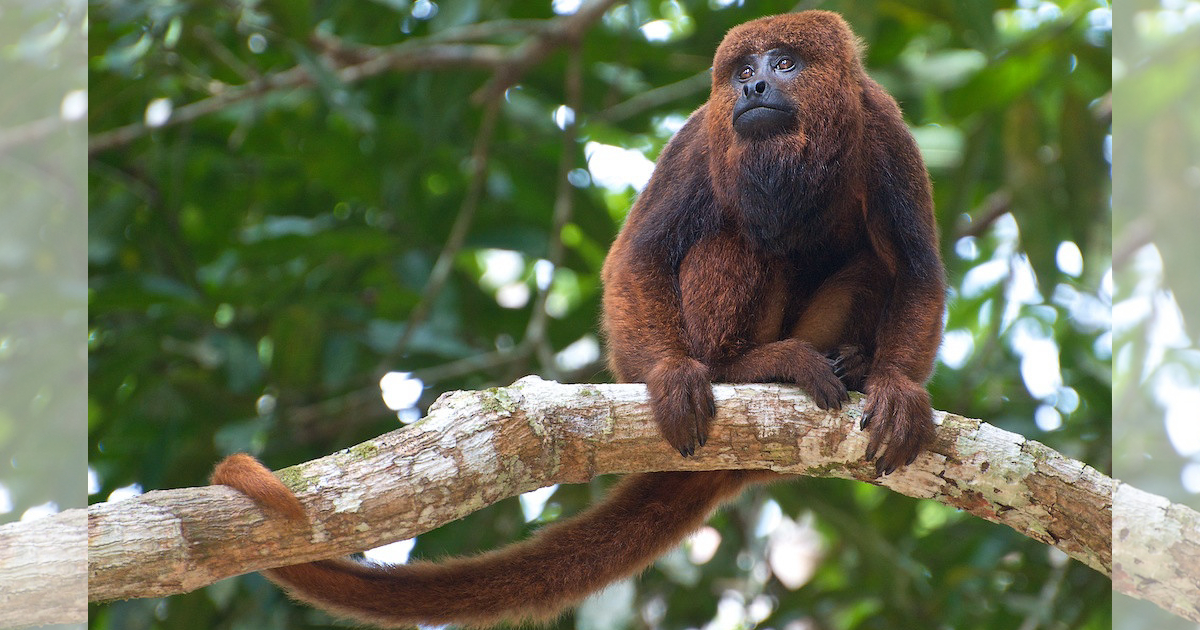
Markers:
763,108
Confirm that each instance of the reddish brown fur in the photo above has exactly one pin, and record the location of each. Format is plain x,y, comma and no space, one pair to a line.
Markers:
753,259
643,517
245,473
808,257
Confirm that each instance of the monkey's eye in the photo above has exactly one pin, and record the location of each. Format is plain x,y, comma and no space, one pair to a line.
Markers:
785,64
746,73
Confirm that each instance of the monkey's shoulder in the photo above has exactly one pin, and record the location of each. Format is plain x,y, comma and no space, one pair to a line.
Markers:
678,205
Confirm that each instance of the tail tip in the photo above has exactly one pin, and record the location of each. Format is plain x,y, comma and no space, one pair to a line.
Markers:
247,475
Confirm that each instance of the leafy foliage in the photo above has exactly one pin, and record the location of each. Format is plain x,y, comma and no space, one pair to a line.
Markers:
259,250
1156,381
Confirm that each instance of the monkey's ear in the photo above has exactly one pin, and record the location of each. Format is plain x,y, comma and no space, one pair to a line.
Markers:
899,198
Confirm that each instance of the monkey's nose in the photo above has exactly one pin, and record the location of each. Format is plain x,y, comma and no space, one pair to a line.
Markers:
758,89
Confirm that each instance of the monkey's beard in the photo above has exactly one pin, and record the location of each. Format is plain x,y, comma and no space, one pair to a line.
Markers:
784,198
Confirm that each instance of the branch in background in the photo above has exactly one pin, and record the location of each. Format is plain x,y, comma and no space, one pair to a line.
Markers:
477,447
220,52
561,31
535,331
30,132
656,98
353,63
995,206
454,241
465,33
404,57
311,423
1136,235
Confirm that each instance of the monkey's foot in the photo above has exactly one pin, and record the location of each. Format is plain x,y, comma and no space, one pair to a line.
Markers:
815,374
789,361
850,365
822,385
900,419
682,401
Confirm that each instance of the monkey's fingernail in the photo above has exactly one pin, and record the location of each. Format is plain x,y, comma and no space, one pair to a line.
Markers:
912,458
703,440
683,451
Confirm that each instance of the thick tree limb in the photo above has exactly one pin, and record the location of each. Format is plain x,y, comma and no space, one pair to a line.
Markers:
42,563
475,448
1157,548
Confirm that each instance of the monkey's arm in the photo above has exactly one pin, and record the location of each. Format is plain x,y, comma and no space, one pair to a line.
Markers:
644,320
644,328
901,228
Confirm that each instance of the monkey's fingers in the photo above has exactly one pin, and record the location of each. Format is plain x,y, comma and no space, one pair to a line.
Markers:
877,435
850,365
825,388
682,401
901,422
865,421
886,447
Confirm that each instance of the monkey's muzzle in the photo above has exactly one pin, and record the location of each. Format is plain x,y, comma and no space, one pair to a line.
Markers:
756,120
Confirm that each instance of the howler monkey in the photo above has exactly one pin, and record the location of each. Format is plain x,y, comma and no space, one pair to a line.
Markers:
786,235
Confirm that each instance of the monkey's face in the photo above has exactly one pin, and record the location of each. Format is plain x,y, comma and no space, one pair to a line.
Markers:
784,118
790,79
762,81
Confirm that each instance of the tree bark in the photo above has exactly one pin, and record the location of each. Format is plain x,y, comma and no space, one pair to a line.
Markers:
477,447
43,566
1157,547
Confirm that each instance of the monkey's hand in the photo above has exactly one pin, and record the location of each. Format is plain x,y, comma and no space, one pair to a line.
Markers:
682,401
900,418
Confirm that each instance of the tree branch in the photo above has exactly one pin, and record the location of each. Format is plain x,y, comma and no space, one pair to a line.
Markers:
477,447
402,57
1157,548
42,578
658,97
30,132
567,29
444,263
995,206
352,63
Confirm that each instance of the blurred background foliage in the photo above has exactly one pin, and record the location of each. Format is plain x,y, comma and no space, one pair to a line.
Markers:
294,205
1156,307
43,287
